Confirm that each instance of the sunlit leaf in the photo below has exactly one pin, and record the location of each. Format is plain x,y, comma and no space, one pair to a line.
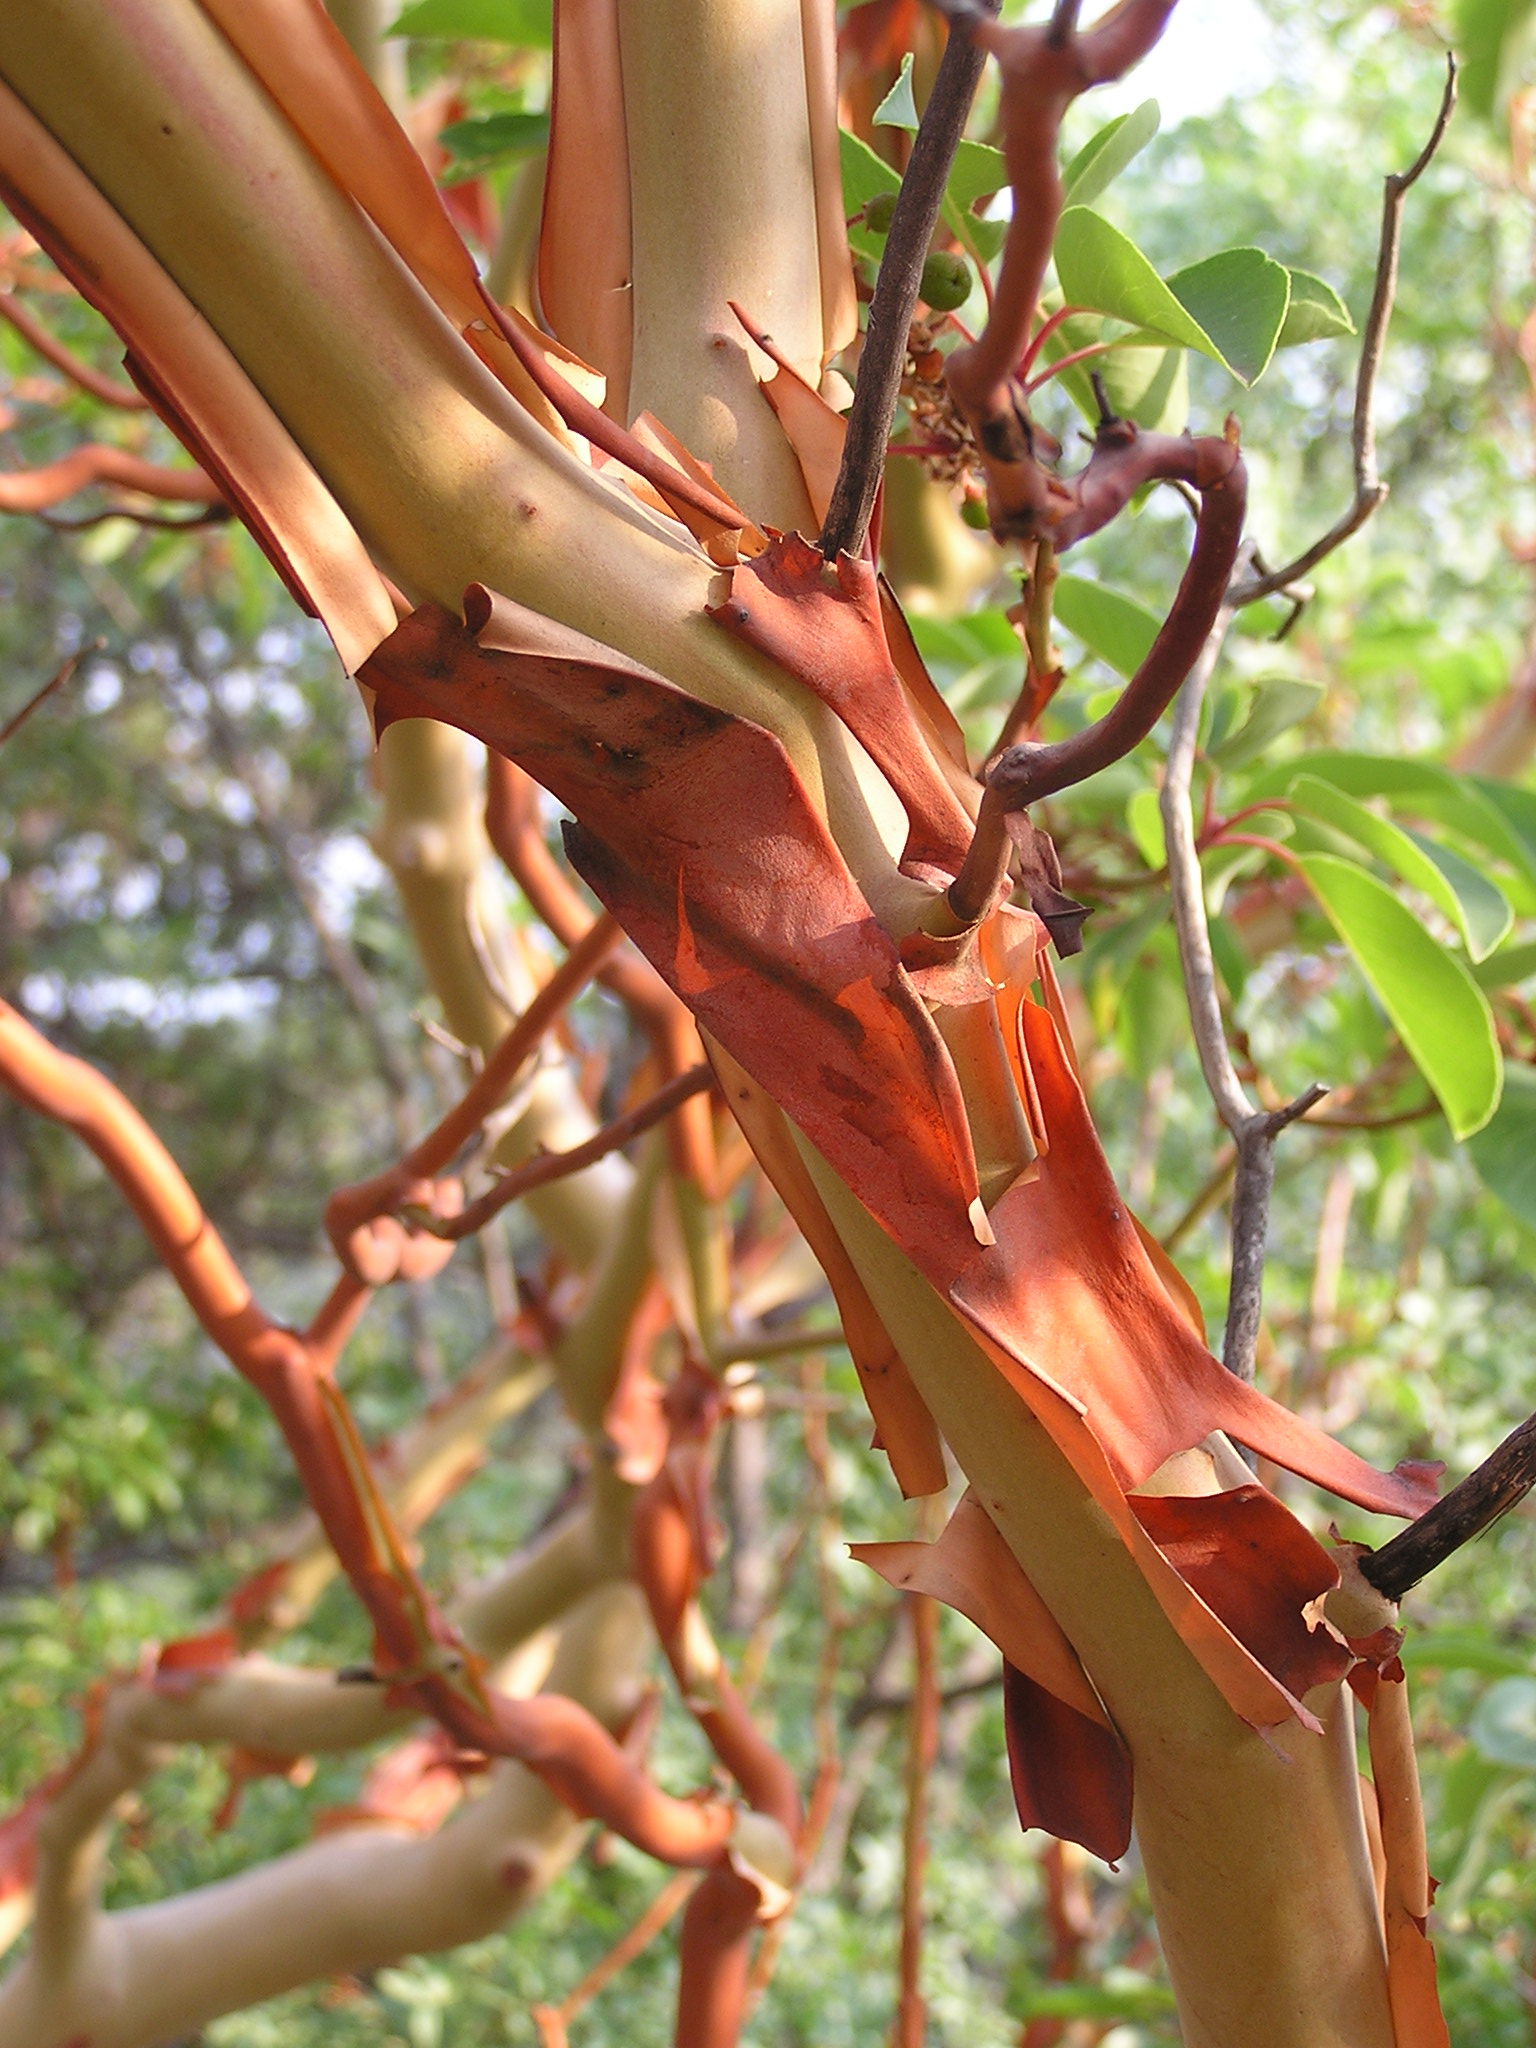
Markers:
1316,312
1104,156
1102,269
1480,912
1240,299
1440,1013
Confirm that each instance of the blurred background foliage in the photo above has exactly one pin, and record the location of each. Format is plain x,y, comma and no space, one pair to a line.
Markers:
184,857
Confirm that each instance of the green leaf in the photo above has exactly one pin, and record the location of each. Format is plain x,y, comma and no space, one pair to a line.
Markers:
1104,156
977,172
1147,385
1473,809
1503,1723
898,109
1504,1151
1316,312
1509,967
1440,1013
1144,820
864,174
1103,270
1279,702
1493,38
525,22
485,140
1463,1649
1486,913
1118,629
1240,299
1479,911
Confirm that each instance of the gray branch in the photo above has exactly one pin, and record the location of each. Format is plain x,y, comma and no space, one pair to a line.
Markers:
1253,1130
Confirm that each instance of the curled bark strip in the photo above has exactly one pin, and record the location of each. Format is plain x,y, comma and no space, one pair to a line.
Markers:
904,1429
1254,1565
34,490
584,259
47,344
821,620
1070,1775
706,512
1023,774
1417,2020
217,414
971,1569
1069,1293
698,835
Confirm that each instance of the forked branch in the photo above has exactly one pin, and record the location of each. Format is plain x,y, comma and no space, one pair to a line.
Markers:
1370,491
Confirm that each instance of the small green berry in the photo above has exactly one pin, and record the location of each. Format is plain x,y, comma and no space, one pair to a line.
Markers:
877,213
946,281
974,512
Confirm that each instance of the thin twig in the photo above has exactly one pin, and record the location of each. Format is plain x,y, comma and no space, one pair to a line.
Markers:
47,344
56,681
896,288
1500,1483
545,1167
1370,491
1253,1130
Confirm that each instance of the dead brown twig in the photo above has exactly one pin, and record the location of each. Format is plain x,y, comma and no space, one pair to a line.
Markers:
1370,491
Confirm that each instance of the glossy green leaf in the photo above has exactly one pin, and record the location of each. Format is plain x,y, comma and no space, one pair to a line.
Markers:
1504,1151
1316,312
524,22
1479,911
1118,629
1503,1724
1102,269
1467,806
1240,298
1279,702
1104,156
1440,1013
